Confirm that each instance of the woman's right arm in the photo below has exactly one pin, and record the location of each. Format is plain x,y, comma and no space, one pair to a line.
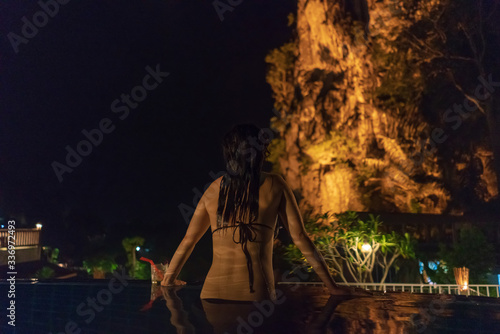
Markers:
292,220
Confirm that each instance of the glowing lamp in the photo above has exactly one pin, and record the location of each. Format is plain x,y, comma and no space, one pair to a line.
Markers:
38,226
366,248
462,277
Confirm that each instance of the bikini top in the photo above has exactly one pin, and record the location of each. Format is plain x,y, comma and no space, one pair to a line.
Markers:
247,233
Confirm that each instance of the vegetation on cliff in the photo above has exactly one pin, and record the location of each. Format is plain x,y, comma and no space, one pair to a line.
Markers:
389,106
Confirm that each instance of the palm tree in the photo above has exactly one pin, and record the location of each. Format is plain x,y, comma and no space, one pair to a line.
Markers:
130,245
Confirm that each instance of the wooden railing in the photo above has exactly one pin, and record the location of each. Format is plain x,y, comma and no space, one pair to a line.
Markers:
23,237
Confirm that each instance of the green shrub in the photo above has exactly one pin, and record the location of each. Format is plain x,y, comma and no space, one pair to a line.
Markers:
472,251
45,273
103,262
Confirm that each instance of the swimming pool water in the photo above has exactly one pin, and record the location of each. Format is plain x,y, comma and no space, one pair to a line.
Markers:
102,306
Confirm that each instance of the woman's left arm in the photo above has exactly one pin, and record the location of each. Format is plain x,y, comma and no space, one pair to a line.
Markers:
199,224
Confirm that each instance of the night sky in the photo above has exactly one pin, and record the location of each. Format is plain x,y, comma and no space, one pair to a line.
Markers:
64,79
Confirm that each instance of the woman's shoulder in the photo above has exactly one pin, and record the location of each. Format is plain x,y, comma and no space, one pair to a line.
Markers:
274,176
276,179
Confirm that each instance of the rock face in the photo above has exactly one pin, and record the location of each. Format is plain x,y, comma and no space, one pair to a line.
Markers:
351,138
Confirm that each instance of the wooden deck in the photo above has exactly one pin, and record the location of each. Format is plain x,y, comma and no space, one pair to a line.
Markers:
26,242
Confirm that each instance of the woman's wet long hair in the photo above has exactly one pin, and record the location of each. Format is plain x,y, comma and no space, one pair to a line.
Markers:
245,147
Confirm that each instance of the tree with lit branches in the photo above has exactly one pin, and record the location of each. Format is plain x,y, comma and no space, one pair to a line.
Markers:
353,248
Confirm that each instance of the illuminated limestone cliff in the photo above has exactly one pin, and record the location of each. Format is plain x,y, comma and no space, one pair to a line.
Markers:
352,135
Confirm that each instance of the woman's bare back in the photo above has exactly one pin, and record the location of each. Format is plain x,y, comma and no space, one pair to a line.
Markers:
230,276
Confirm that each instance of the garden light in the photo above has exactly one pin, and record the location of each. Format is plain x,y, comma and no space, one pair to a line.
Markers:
462,277
366,248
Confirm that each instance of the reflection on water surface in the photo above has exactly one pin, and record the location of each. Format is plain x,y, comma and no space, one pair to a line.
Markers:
142,308
312,310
